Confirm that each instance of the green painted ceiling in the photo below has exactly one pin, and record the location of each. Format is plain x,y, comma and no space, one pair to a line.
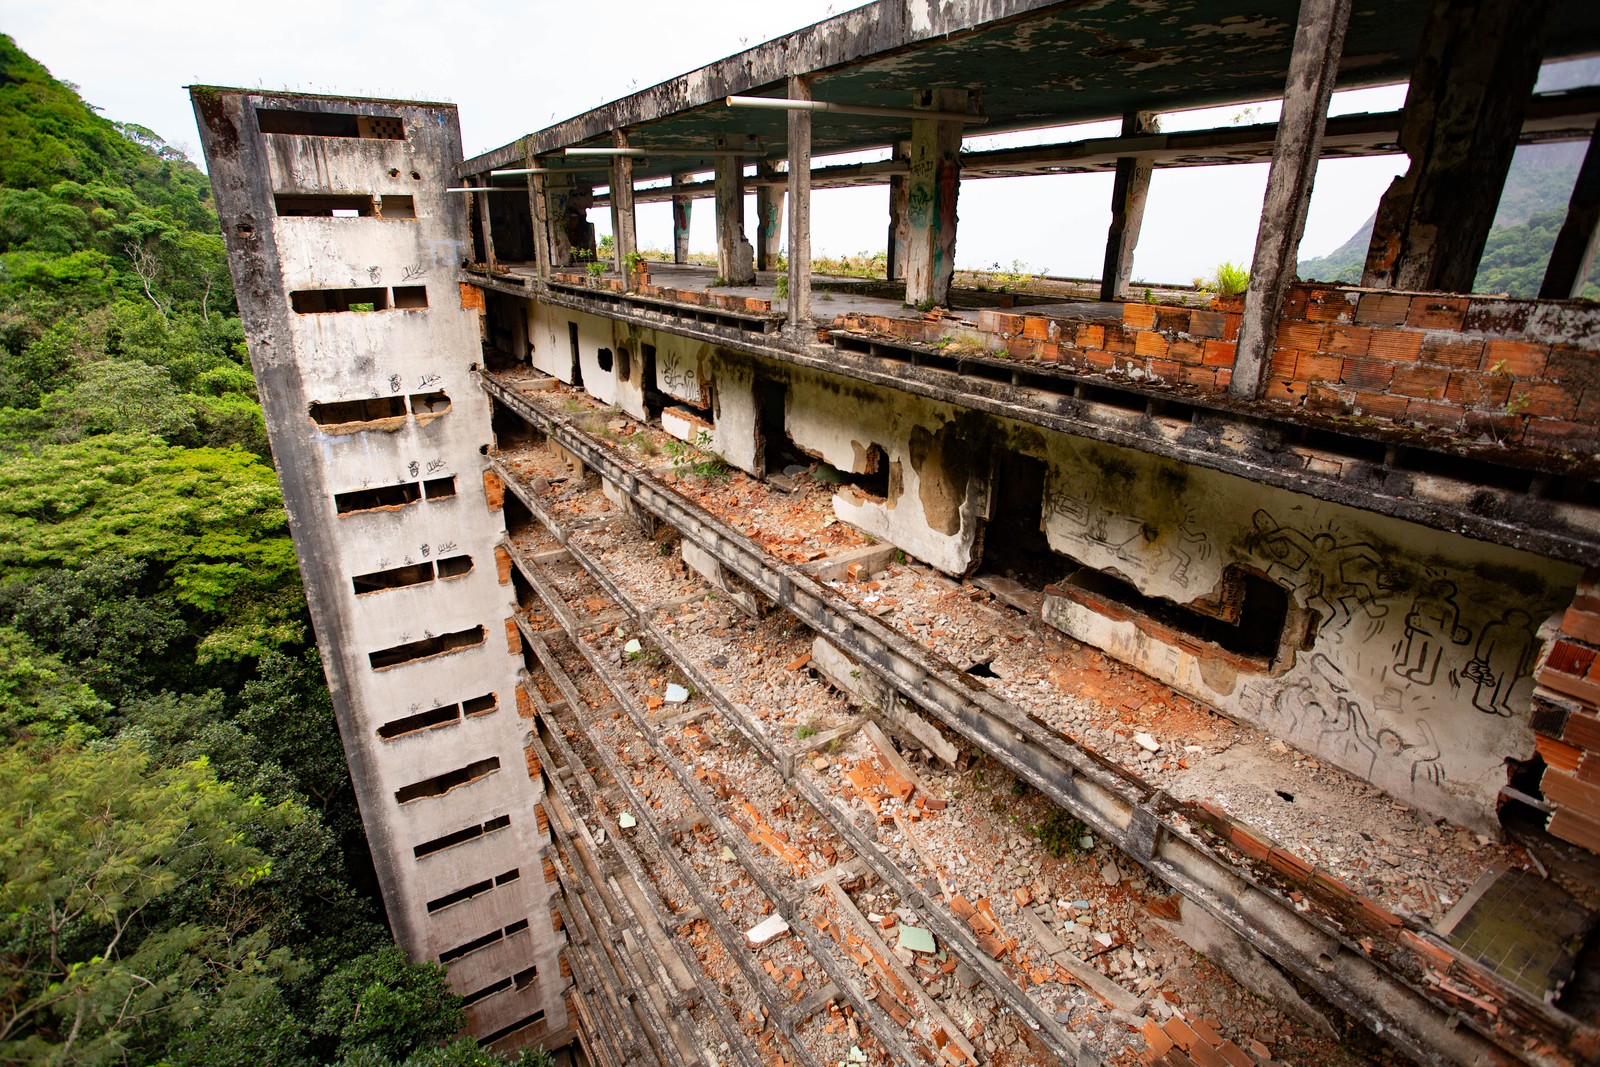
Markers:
1083,61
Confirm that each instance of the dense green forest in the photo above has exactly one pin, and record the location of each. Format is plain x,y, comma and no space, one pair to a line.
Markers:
183,875
1532,207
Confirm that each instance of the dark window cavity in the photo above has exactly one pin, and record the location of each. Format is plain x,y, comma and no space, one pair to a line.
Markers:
429,646
440,784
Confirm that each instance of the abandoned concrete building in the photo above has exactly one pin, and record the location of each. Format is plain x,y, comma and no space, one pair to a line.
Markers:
742,665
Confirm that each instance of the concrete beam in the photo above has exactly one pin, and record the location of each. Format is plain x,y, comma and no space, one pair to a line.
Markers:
1313,68
1476,67
932,184
1573,256
1128,195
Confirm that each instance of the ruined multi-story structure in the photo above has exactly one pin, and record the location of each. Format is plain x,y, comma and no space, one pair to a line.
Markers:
742,665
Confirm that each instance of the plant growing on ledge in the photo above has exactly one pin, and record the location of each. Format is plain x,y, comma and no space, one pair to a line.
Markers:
597,270
693,461
1230,281
637,265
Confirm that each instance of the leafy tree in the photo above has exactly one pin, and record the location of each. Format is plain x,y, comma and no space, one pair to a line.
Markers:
386,1006
94,843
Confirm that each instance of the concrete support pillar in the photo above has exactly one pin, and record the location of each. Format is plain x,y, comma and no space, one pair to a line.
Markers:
480,207
799,209
1313,66
557,194
899,227
735,257
539,215
623,227
1128,194
1469,91
1573,256
931,187
769,216
682,210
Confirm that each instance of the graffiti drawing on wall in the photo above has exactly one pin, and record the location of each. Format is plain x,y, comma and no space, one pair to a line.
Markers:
1321,707
1503,655
677,377
1334,577
1433,623
1128,537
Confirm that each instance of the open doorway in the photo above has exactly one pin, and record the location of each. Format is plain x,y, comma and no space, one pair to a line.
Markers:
1014,542
775,449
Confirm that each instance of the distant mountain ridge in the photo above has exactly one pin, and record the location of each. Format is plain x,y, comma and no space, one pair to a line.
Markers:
1530,214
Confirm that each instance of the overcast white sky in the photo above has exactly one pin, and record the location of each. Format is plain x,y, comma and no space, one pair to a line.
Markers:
516,67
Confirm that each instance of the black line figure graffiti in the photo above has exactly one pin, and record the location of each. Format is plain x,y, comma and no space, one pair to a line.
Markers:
1433,622
1503,655
1321,703
395,384
1336,579
413,468
1192,544
374,275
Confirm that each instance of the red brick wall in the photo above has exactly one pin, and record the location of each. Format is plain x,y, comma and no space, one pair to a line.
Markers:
1566,719
1521,372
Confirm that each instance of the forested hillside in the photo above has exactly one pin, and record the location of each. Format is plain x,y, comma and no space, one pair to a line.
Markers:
1532,207
183,876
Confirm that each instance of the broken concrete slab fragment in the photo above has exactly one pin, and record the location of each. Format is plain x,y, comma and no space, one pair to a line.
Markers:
633,647
627,821
676,694
767,930
1146,742
915,938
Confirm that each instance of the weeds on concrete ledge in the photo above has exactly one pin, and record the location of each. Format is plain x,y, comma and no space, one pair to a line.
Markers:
1230,279
805,730
694,461
780,288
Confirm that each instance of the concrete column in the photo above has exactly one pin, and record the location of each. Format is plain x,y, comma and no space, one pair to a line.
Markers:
769,216
899,227
1313,66
485,230
682,209
558,192
623,226
1128,194
1475,70
799,209
539,215
735,257
1573,255
931,188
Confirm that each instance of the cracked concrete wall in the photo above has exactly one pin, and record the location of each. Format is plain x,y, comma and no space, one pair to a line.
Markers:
1417,671
336,357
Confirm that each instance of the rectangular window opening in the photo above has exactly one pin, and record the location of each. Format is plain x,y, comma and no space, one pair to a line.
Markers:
329,301
480,705
424,720
394,578
429,403
461,837
486,992
1014,543
439,488
394,206
577,363
348,412
385,496
468,947
310,205
506,1031
1248,617
428,646
525,978
454,566
440,784
410,296
329,124
476,889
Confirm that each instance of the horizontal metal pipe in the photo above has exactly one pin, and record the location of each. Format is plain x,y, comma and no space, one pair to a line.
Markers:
662,152
781,103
